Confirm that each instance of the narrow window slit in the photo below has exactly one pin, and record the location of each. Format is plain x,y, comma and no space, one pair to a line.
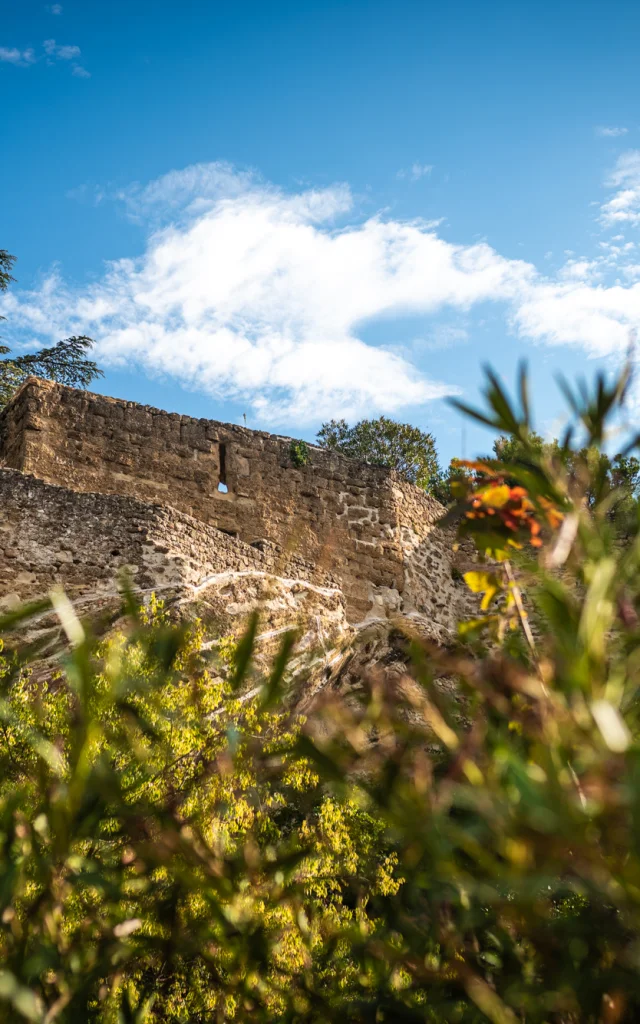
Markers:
222,477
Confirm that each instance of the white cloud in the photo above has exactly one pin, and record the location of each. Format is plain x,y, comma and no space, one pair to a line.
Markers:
593,317
88,194
257,293
68,52
55,50
593,303
627,169
180,194
415,172
250,292
624,205
51,52
610,131
580,270
54,8
12,55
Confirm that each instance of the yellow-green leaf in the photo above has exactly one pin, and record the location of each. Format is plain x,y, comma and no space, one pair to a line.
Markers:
496,496
478,582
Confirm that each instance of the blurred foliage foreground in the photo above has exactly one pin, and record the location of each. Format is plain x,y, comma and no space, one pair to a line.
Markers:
177,844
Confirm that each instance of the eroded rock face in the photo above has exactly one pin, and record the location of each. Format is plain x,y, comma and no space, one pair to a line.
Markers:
317,613
383,646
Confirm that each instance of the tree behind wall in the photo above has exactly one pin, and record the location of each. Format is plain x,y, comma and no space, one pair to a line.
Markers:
6,265
384,442
66,362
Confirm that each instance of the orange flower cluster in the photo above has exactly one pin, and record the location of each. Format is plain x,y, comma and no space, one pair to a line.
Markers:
508,510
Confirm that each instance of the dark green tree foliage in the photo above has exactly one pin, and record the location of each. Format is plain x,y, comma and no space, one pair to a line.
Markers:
65,362
512,449
6,266
384,442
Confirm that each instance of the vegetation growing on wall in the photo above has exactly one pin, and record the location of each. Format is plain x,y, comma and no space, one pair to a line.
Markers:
299,453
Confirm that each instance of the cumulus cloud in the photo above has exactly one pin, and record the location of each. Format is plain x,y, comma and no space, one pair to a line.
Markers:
593,303
627,168
256,293
596,318
65,52
610,131
246,291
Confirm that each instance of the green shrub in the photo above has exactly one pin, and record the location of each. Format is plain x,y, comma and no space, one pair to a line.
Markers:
299,453
167,853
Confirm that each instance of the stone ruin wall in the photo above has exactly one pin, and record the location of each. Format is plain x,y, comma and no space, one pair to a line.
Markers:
83,542
50,536
359,524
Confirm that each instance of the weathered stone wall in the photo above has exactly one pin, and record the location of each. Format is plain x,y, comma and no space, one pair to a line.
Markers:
81,542
50,536
364,524
429,586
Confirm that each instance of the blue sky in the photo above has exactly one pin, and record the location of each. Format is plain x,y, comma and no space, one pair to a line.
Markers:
298,211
